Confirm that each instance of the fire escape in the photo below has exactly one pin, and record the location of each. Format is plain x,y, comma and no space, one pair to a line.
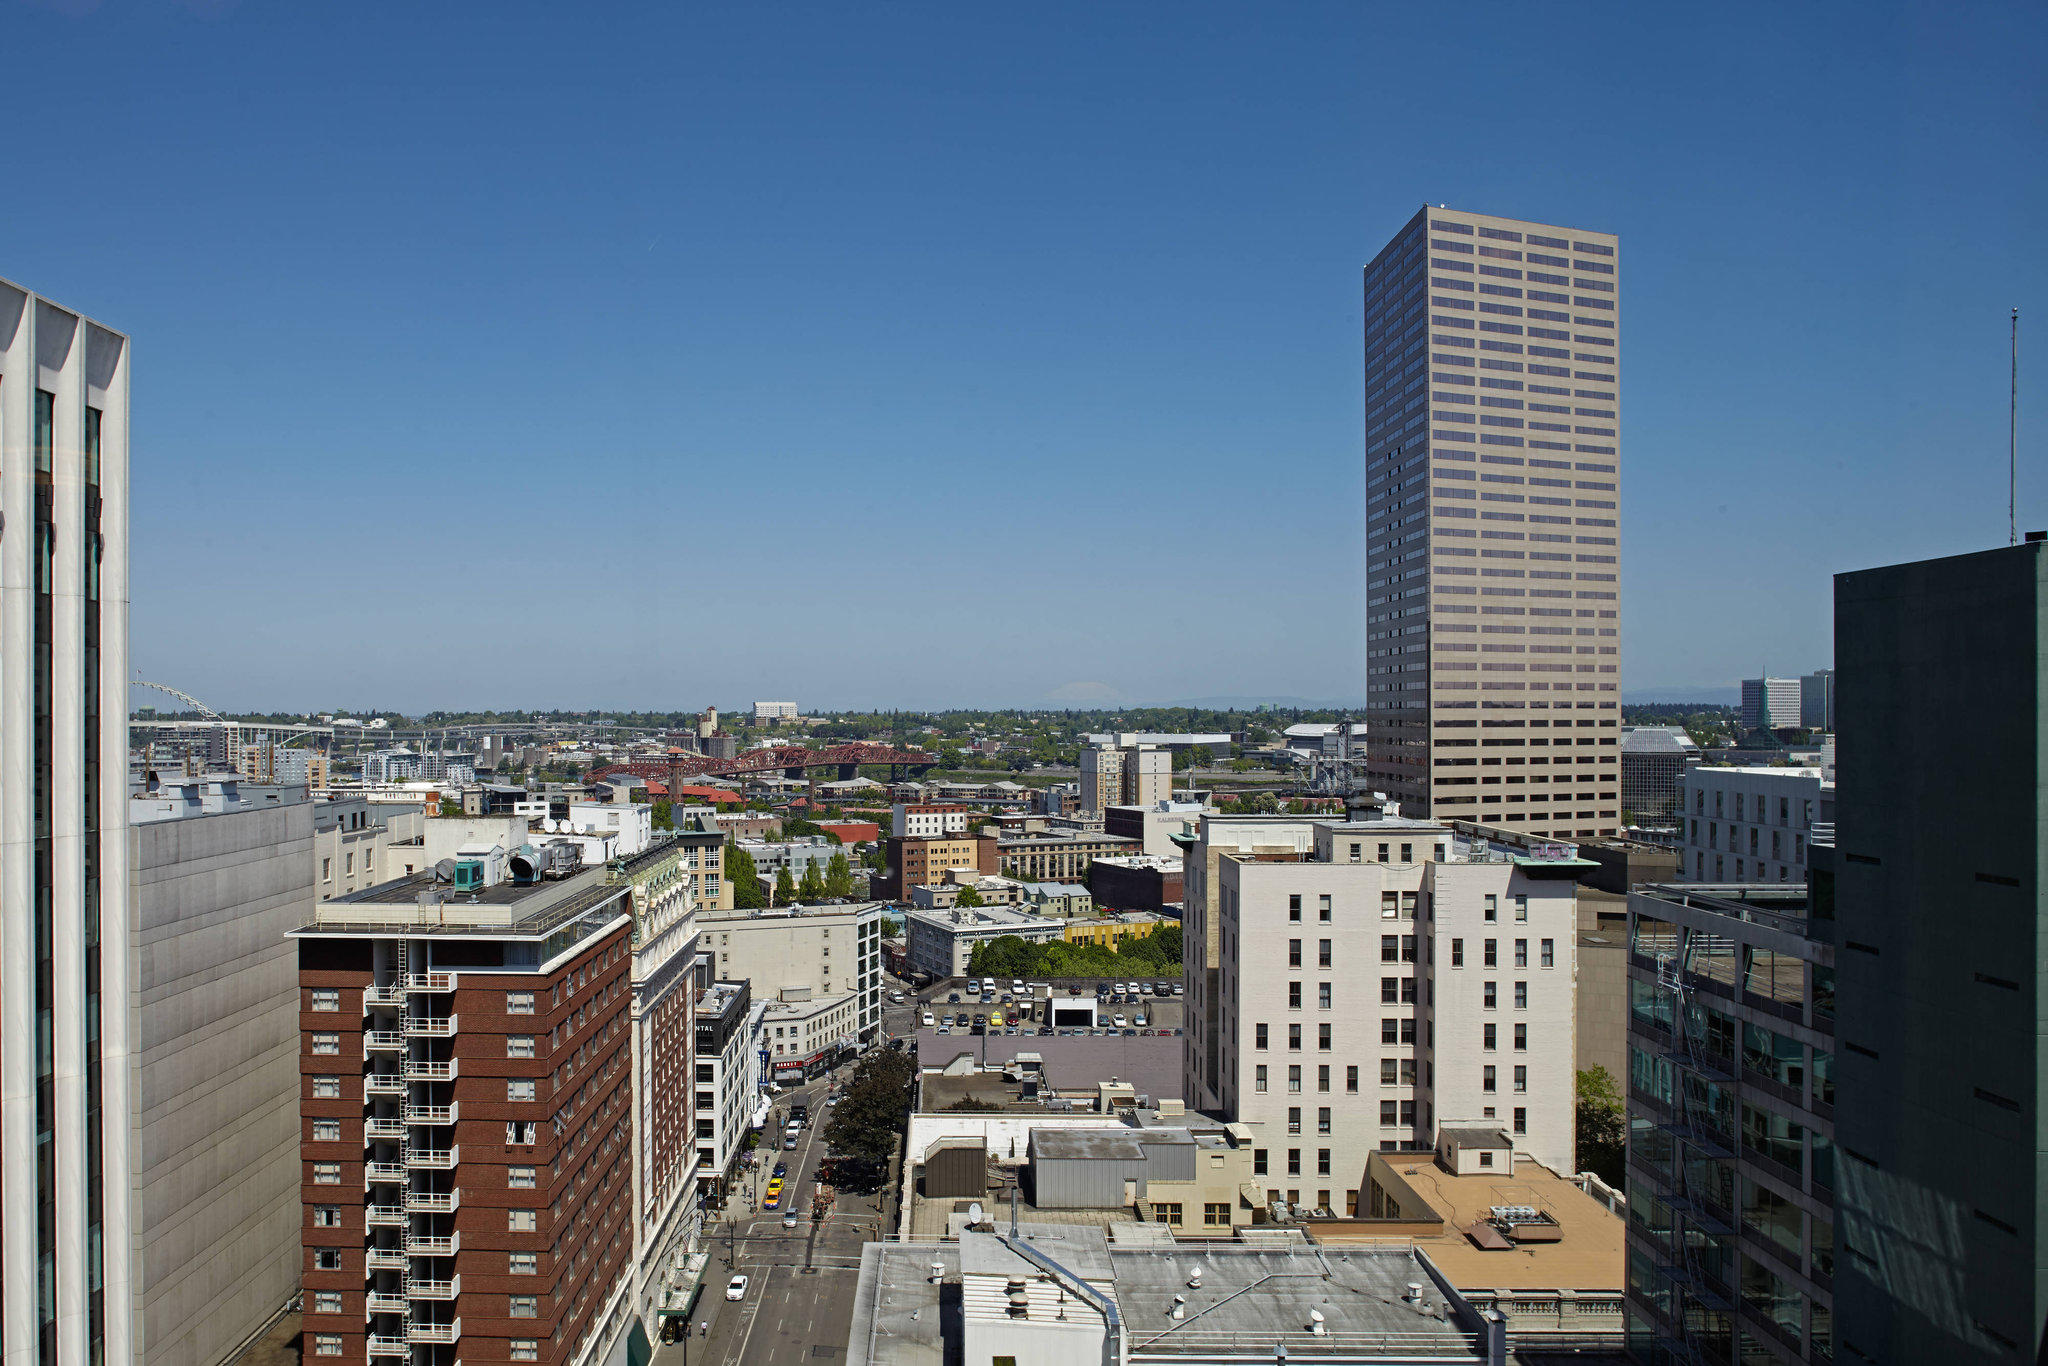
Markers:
410,1173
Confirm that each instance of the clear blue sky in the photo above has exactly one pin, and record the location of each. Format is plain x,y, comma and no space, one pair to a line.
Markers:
974,354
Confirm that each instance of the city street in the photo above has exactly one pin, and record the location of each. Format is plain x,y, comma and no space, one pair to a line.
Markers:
799,1301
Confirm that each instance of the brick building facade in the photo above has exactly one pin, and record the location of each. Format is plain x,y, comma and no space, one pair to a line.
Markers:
496,1120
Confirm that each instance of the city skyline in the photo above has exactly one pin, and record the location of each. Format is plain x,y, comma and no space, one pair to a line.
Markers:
944,242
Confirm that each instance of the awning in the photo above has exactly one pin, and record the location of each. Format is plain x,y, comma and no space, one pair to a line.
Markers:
689,1306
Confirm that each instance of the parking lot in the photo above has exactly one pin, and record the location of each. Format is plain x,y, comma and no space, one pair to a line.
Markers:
1129,1008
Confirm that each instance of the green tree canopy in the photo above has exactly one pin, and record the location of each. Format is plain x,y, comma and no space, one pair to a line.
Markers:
839,878
812,888
867,1119
968,896
785,886
1602,1127
744,878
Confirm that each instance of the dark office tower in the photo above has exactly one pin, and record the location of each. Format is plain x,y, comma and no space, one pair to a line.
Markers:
1493,623
1941,945
64,913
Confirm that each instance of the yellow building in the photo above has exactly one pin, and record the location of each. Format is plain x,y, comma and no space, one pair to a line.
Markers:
1108,931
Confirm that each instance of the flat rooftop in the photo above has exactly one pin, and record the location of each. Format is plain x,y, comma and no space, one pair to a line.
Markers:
420,903
1357,1290
901,1318
1587,1257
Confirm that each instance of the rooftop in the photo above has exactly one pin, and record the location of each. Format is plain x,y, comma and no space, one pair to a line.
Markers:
1358,1292
422,904
1585,1253
963,918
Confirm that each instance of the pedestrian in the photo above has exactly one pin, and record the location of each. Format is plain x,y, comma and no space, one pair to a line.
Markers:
704,1329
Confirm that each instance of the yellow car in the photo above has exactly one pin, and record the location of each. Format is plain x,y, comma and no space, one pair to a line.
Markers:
774,1195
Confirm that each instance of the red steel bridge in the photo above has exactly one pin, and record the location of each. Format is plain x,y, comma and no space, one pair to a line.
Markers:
789,760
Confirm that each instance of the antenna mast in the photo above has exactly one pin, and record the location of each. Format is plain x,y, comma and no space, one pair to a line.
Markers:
2012,452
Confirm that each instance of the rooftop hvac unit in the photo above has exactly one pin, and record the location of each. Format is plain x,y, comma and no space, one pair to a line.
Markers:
469,875
529,865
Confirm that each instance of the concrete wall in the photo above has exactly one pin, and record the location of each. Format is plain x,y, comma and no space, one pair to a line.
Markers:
1603,983
216,1078
1008,1137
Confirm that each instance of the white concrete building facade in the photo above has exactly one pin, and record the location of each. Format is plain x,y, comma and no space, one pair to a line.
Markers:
214,1010
1752,824
829,951
64,856
1393,982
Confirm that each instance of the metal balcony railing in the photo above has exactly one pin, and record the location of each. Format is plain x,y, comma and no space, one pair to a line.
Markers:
385,997
430,981
389,1347
432,1159
388,1259
387,1216
430,1026
441,1070
381,1303
383,1041
434,1290
384,1126
432,1114
378,1173
384,1084
434,1332
433,1202
434,1245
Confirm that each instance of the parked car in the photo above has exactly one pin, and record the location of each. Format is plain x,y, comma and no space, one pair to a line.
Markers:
736,1288
927,1019
954,999
789,1219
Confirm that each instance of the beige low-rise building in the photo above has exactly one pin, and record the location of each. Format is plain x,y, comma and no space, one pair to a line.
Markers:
1511,1234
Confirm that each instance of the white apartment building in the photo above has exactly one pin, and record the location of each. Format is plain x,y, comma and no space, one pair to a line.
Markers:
357,845
775,711
729,1073
64,837
632,822
1391,981
1752,824
826,951
941,941
917,820
805,1033
1115,776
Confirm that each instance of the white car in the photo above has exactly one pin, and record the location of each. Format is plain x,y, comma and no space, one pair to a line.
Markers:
788,1221
927,1018
1117,1020
736,1288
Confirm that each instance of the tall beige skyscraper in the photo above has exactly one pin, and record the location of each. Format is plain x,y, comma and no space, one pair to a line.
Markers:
1493,600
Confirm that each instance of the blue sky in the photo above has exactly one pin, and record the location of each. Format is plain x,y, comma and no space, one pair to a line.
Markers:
968,354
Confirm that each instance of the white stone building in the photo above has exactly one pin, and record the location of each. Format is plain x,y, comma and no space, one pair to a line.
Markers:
1389,981
1752,824
826,951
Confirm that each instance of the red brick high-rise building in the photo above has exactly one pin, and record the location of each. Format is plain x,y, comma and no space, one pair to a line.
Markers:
496,1128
